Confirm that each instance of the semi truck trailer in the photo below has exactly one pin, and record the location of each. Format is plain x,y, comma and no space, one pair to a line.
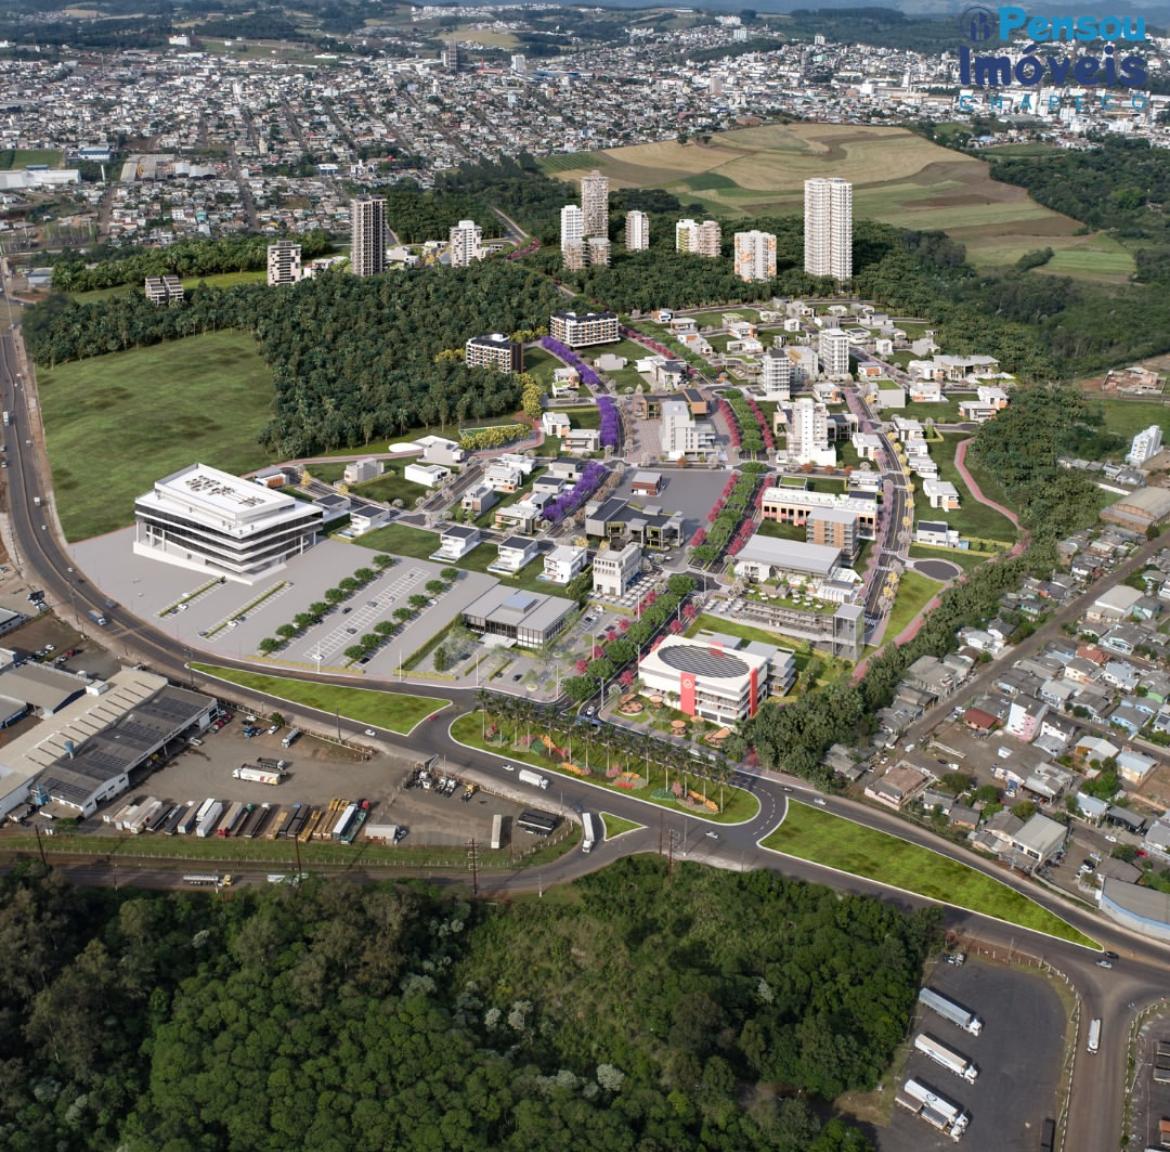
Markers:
526,776
951,1011
936,1110
946,1057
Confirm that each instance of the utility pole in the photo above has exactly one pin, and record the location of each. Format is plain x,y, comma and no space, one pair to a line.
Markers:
337,717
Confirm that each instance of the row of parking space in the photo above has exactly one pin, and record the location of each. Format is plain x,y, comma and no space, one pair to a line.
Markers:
358,619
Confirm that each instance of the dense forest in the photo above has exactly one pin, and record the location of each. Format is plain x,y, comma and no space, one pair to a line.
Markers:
108,267
640,1010
352,359
518,186
415,215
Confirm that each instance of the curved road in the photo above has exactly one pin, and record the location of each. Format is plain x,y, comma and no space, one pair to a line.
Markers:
1142,975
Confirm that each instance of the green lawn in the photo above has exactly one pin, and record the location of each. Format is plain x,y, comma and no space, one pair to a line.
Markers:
739,806
391,485
541,364
395,711
1128,417
115,424
401,540
216,280
705,623
22,157
616,826
972,518
782,530
914,593
838,843
945,412
968,561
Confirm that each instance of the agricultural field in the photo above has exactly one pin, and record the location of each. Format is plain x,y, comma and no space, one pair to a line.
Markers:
1127,417
761,171
489,38
103,421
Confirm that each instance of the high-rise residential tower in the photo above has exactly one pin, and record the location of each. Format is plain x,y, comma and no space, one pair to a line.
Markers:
755,255
284,263
367,255
710,239
637,230
466,240
828,227
572,236
595,204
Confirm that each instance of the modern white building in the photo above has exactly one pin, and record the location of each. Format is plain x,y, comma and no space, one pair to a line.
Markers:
428,475
284,263
769,557
466,244
828,227
755,255
514,554
564,562
581,329
681,434
704,239
455,542
367,256
714,680
595,204
614,570
1146,445
833,349
941,494
637,231
572,227
776,375
362,471
808,434
208,520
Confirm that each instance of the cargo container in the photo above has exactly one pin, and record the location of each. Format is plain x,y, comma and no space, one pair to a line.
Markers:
588,832
951,1011
526,776
385,833
195,813
176,819
355,825
258,775
537,823
497,832
206,826
936,1110
344,820
946,1057
231,820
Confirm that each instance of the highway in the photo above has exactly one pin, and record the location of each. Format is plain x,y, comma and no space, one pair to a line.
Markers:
1141,976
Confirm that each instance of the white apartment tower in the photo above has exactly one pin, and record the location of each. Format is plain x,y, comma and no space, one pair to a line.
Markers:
686,236
284,263
367,255
710,239
828,227
572,237
637,231
808,433
755,255
595,204
776,375
1146,445
597,251
466,240
833,348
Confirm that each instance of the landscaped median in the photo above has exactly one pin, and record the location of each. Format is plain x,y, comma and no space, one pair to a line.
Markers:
394,711
645,780
836,842
616,826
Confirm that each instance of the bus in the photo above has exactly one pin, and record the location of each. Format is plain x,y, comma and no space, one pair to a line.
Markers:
589,834
1095,1036
497,831
537,823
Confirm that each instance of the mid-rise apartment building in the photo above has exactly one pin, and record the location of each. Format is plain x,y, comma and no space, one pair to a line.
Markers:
637,231
681,434
834,528
833,349
597,251
704,239
367,255
284,263
164,289
614,570
494,351
776,375
581,329
466,244
755,255
828,227
1146,445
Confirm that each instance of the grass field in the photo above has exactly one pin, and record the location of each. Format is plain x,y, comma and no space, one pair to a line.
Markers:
825,839
914,593
616,826
739,806
23,157
965,560
394,711
218,280
115,424
704,623
972,518
1126,417
760,171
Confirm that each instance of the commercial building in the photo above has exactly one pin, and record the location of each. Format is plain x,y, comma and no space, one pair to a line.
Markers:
580,330
755,255
1040,839
833,349
494,351
795,505
284,263
776,375
164,289
637,231
617,520
564,562
1143,910
208,520
615,570
465,244
367,256
595,204
834,528
715,679
704,239
828,227
681,435
769,557
808,434
1140,510
504,616
362,471
45,689
1145,446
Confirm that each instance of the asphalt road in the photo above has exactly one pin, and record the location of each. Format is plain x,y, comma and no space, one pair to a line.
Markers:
1140,977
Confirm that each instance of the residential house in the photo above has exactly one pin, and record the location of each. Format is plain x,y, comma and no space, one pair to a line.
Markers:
514,554
564,562
455,542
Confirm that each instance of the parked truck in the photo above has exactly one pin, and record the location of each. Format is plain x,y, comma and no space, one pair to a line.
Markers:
588,832
527,776
937,1111
206,826
1095,1036
951,1011
209,880
231,820
294,734
946,1057
258,775
497,832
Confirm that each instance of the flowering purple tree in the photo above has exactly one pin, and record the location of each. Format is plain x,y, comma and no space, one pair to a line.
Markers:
592,477
610,424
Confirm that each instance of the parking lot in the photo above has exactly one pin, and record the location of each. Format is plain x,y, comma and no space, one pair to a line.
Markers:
692,491
1151,1097
1018,1055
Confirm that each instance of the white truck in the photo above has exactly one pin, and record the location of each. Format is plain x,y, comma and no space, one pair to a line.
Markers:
258,775
497,831
588,832
527,776
1095,1036
951,1011
937,1111
946,1057
206,825
209,880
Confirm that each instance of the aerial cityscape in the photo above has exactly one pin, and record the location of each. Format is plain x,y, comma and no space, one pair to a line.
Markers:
584,577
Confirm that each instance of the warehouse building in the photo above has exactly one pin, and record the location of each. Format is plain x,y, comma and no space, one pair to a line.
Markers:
1139,510
1141,909
769,557
506,617
211,521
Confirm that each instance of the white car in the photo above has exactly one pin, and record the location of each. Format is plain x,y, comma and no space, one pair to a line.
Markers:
819,801
371,732
713,835
509,767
